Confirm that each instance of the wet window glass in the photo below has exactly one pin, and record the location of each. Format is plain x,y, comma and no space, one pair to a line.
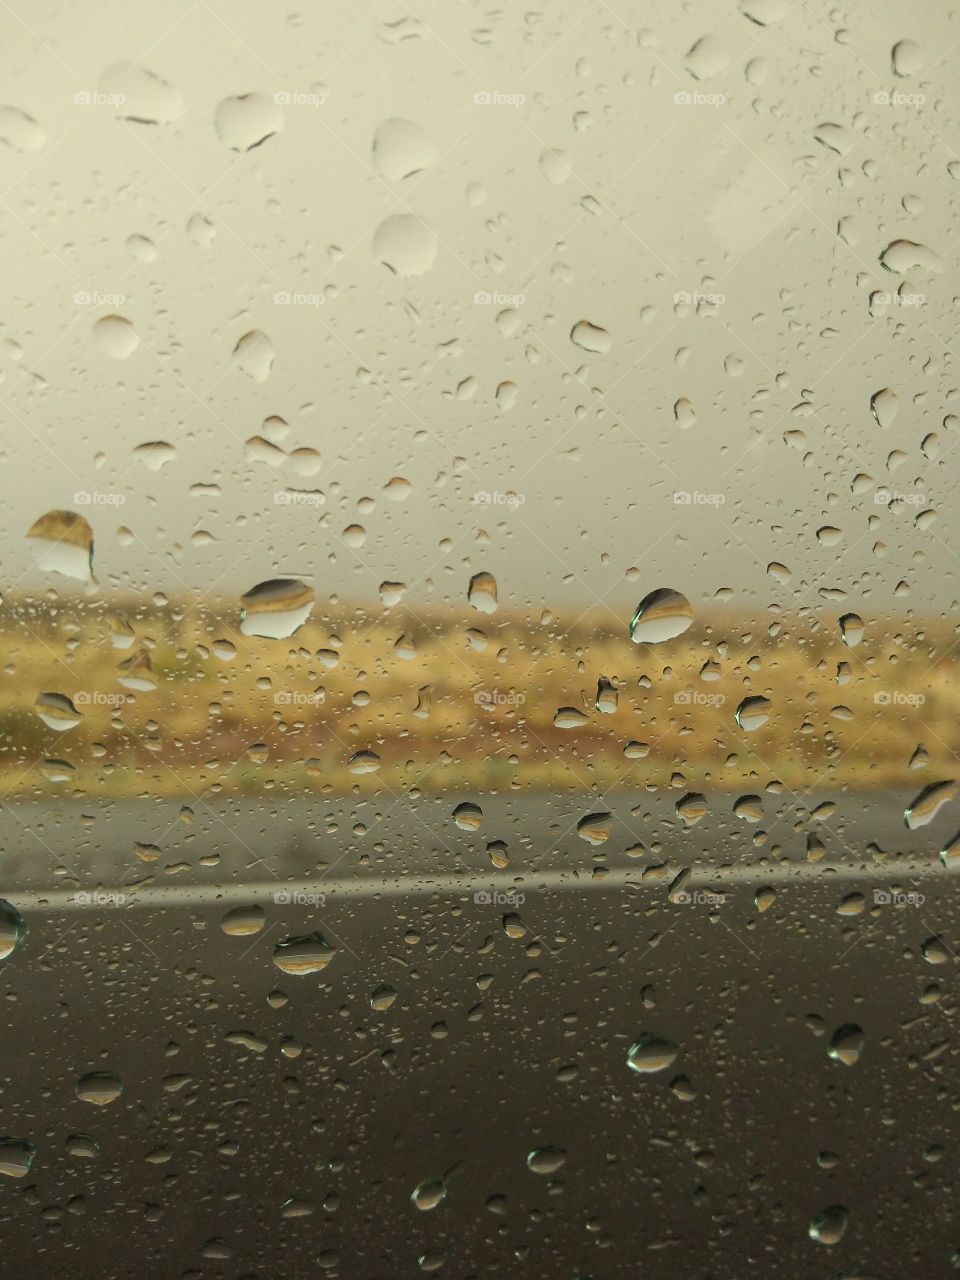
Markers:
479,790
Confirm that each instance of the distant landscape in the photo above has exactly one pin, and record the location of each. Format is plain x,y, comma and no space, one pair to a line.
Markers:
370,699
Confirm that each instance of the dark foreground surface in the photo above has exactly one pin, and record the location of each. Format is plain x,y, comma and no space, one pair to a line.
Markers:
291,1150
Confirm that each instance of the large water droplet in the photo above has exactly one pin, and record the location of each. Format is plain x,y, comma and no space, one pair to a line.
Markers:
401,149
405,245
651,1053
925,806
829,1225
661,615
275,609
846,1044
482,592
303,956
244,122
99,1088
63,542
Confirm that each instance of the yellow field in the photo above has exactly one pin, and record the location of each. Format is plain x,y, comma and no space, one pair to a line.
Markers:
288,715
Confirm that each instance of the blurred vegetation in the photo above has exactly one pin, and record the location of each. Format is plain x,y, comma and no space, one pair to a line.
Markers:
464,702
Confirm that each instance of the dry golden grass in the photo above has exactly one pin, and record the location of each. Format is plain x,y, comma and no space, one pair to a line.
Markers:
491,689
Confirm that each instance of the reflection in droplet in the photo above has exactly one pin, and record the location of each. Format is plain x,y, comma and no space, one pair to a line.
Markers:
63,542
651,1053
12,929
661,615
752,713
482,592
16,1158
99,1088
829,1225
275,609
546,1160
57,712
303,956
925,806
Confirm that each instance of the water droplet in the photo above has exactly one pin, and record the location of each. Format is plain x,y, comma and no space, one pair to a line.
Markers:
402,149
651,1053
16,1158
429,1194
254,355
906,58
364,762
468,816
302,956
12,929
901,256
934,951
275,609
925,807
661,615
244,122
752,713
846,1044
243,922
706,59
691,808
115,336
884,405
63,542
141,95
405,245
851,630
590,337
829,1225
482,592
546,1160
57,712
382,999
570,718
99,1088
595,828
